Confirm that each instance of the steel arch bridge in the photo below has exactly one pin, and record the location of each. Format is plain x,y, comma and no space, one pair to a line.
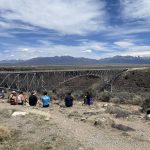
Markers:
49,79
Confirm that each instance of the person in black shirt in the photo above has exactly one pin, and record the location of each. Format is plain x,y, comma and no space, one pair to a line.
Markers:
33,99
69,100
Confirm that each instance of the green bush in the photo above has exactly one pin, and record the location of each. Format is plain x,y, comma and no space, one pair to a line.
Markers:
105,96
146,105
137,100
115,100
126,98
118,111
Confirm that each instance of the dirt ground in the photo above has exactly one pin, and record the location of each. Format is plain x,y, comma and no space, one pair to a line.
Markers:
102,126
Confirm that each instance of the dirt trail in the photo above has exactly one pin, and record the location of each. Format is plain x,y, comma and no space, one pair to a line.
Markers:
91,138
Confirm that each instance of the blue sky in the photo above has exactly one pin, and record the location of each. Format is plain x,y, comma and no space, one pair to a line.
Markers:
80,28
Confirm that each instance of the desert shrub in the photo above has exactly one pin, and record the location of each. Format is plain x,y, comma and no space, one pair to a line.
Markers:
124,97
137,100
118,111
5,133
146,105
120,98
122,114
98,87
144,95
127,98
78,94
104,96
61,93
115,100
74,114
126,77
6,113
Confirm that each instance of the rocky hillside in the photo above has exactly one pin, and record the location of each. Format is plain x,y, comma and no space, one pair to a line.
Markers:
134,80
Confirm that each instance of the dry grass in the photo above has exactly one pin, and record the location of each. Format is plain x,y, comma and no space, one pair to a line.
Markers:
6,133
118,111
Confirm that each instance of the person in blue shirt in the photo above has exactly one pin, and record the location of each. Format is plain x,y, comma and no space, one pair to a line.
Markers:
45,100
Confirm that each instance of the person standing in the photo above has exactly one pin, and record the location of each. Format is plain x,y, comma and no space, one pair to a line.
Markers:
45,100
69,100
33,99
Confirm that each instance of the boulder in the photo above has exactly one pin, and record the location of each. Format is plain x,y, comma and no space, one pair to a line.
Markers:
148,116
19,113
47,119
83,119
104,122
122,127
74,114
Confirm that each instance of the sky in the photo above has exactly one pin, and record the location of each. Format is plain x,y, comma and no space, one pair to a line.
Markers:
79,28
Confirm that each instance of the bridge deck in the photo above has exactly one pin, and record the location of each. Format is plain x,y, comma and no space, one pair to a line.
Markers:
68,70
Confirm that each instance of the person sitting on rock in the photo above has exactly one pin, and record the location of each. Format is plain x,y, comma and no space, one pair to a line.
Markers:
69,100
88,100
45,100
21,98
13,98
33,99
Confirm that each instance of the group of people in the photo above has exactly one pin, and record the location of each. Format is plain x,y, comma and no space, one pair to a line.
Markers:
17,99
88,100
20,99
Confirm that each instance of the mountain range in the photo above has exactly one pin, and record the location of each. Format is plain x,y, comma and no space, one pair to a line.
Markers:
68,60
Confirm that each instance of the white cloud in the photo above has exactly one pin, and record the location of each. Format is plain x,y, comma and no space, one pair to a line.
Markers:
124,43
4,25
24,50
135,16
94,45
142,53
137,51
84,49
114,32
136,9
87,51
64,16
132,47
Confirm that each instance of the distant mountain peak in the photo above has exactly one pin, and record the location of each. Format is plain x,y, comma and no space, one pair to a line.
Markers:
69,60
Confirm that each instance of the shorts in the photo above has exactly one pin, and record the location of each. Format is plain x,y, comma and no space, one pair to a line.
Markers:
20,103
46,106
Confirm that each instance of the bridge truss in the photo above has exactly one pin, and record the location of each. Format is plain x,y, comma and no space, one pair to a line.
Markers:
49,79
